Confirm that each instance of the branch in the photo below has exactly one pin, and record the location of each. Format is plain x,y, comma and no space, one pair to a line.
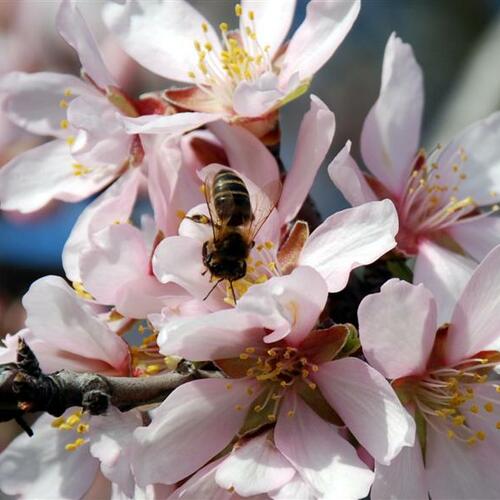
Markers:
25,389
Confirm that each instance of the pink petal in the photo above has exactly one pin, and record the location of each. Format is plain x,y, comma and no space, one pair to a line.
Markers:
444,273
480,144
455,470
172,182
391,344
349,239
246,154
269,32
32,100
219,335
58,316
72,27
477,236
111,437
32,179
176,124
348,178
475,323
404,478
391,132
294,489
318,37
197,421
323,458
150,30
257,97
256,467
31,467
118,256
114,205
313,141
289,305
368,405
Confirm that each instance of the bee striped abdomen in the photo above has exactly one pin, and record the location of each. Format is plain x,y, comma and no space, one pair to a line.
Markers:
231,199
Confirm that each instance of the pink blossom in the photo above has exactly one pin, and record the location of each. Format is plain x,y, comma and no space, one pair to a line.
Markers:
444,377
269,371
258,73
437,194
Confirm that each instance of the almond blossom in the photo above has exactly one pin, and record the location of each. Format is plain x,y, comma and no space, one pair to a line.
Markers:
246,73
445,378
438,194
283,372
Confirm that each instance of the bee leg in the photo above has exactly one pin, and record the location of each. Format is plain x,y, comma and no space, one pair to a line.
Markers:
204,272
213,288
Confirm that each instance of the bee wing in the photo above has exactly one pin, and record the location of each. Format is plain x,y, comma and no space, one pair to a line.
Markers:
263,201
209,199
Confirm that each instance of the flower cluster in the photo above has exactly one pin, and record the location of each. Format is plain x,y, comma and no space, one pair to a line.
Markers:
229,273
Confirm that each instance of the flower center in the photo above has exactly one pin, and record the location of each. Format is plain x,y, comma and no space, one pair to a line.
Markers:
459,401
242,58
75,423
276,370
430,201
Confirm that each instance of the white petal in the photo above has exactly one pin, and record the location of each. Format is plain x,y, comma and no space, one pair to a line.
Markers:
403,479
391,344
346,175
368,405
256,467
349,239
444,273
160,35
324,459
391,132
32,467
318,37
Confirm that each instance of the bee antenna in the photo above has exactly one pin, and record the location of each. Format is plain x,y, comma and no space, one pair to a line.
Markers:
213,288
232,291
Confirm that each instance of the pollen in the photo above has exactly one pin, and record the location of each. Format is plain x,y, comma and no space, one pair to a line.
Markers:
64,124
63,104
238,10
489,407
70,140
68,92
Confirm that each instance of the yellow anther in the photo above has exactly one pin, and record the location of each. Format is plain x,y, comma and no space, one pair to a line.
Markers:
271,266
489,407
57,422
82,428
480,378
269,245
455,167
66,427
495,208
474,409
73,420
314,368
458,420
238,10
171,362
258,408
312,385
152,369
191,74
238,407
70,447
258,263
64,124
305,373
271,417
250,350
251,15
204,27
209,47
244,356
290,413
63,104
497,425
223,27
440,413
261,279
197,45
70,140
497,388
481,435
451,434
472,440
229,386
250,391
463,176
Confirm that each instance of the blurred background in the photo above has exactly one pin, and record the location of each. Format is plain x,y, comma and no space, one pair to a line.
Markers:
456,41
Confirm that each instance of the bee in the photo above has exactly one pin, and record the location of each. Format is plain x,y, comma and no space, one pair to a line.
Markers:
234,223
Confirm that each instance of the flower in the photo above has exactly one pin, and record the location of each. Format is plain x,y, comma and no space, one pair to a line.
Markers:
445,378
286,378
437,194
248,72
